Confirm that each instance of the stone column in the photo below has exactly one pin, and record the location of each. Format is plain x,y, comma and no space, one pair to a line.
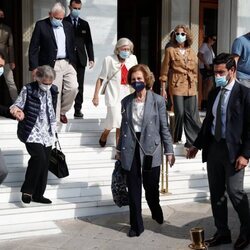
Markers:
233,21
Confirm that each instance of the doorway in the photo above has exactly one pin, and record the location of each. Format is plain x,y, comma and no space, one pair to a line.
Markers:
140,21
208,23
13,18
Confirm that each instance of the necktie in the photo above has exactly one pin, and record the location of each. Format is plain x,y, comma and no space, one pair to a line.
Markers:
75,23
218,124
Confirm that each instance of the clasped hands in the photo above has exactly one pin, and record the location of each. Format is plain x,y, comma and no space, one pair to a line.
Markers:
17,113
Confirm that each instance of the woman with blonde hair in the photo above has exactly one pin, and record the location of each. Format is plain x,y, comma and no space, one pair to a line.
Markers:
179,72
114,70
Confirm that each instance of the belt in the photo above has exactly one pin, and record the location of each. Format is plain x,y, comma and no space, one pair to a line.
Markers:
61,58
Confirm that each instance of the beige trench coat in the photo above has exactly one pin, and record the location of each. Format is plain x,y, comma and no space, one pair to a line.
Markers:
180,71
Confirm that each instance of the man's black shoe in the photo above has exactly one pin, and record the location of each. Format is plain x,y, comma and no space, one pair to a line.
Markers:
78,114
241,243
218,240
42,200
26,198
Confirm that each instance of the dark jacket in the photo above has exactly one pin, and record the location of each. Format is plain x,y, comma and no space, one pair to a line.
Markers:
43,47
237,125
32,109
83,41
5,111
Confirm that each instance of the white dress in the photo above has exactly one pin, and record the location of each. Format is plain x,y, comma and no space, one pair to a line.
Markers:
115,91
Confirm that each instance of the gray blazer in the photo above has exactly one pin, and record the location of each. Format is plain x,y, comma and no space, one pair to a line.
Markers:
154,131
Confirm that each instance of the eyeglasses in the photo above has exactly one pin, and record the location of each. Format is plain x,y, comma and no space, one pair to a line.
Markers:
182,34
214,39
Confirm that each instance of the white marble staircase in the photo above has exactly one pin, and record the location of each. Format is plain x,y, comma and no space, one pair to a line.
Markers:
86,191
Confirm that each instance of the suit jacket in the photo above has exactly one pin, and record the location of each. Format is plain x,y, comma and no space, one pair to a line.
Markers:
5,111
83,42
154,131
43,47
237,124
6,43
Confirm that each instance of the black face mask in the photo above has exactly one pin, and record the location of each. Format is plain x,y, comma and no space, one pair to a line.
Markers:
1,19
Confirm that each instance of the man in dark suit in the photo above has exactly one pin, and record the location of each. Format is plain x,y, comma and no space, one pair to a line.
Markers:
84,50
53,44
225,142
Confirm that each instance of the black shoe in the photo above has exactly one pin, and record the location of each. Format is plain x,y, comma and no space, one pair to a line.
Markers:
241,243
158,216
26,198
133,233
42,200
78,114
218,240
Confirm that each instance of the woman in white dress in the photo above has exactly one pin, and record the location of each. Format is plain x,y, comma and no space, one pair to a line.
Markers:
114,70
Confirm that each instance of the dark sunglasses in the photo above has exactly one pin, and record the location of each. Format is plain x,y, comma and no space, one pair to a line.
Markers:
214,39
177,34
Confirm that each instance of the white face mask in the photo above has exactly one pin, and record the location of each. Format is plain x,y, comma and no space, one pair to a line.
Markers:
1,70
44,87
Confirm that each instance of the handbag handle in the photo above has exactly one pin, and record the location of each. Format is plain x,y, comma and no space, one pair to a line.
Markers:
57,141
108,79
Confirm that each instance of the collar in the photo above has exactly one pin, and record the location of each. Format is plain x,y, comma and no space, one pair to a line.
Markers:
72,18
230,85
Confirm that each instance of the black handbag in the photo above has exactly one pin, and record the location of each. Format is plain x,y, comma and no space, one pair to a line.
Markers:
119,186
57,162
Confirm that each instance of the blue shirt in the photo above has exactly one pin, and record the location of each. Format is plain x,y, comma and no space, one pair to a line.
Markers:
241,47
223,109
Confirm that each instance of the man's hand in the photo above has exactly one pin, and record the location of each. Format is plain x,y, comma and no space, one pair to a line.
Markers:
17,113
171,159
241,163
91,64
191,152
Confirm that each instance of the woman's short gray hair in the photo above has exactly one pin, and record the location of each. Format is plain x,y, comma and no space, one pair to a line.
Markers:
57,7
45,72
123,42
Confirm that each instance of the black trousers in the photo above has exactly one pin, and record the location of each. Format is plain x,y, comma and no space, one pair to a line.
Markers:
223,177
37,171
150,180
186,113
80,70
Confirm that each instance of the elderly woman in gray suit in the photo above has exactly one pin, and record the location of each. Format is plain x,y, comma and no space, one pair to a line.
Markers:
143,130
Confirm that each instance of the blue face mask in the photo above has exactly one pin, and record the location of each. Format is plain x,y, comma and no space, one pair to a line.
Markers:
138,86
1,70
56,22
124,54
75,13
180,38
221,81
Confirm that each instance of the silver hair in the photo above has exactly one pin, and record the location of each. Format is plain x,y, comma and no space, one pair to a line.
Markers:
45,72
57,7
123,42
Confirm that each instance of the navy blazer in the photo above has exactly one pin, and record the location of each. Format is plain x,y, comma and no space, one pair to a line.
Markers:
237,124
83,41
43,47
5,111
154,131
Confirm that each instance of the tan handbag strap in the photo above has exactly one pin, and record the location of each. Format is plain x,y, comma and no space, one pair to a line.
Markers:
108,79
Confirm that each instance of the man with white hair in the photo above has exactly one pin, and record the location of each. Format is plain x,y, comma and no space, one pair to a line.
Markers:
53,44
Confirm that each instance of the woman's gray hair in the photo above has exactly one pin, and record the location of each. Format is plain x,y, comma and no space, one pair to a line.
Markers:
123,42
45,72
57,7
